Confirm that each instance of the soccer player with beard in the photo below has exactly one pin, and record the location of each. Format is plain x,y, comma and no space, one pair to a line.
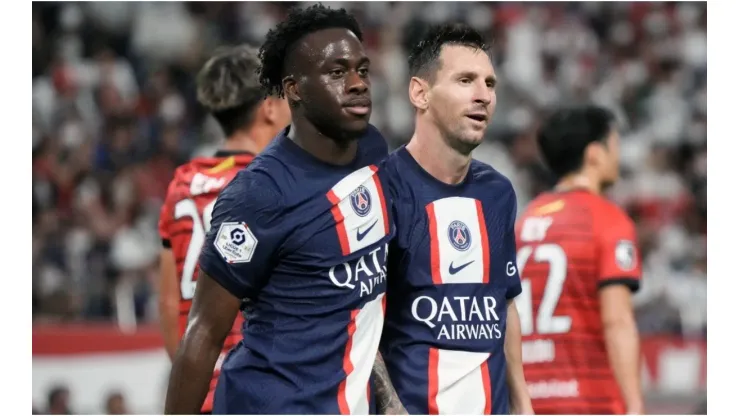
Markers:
577,253
229,88
299,242
452,343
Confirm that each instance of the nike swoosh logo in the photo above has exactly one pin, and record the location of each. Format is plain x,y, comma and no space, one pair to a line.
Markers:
363,234
454,270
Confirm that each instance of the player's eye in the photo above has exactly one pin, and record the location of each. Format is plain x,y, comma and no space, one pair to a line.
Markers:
466,80
336,73
363,72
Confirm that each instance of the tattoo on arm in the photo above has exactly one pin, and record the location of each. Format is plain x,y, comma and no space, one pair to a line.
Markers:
386,397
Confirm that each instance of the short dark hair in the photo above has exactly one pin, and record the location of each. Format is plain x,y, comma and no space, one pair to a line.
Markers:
56,393
228,86
566,133
113,395
299,23
424,56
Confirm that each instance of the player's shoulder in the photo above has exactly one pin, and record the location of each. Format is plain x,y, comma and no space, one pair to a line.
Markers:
599,206
610,213
393,161
185,171
547,204
373,145
206,175
254,189
179,186
579,203
486,175
400,170
608,206
221,162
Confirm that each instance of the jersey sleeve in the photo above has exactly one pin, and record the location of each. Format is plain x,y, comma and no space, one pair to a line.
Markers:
514,283
619,260
245,236
166,216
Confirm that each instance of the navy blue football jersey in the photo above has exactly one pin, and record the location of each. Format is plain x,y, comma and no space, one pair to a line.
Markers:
453,265
305,244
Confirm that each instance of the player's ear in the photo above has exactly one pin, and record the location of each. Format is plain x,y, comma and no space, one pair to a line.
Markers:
267,108
274,111
290,87
419,93
595,154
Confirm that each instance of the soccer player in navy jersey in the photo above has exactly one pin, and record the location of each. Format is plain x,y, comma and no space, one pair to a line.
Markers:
299,242
452,340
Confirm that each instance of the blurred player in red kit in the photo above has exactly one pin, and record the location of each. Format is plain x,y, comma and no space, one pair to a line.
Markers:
229,88
579,264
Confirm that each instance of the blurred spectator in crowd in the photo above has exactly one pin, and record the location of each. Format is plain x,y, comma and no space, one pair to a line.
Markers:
115,404
114,112
58,402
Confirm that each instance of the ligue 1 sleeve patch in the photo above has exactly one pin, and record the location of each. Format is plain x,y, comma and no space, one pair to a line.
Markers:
235,242
625,255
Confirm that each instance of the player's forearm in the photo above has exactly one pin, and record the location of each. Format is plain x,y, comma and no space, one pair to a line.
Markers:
168,316
623,347
518,391
191,372
386,397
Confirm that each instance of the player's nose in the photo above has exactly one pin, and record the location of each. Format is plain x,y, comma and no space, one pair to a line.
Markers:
355,84
483,95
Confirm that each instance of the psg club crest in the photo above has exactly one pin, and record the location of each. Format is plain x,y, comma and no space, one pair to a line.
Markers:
459,235
360,201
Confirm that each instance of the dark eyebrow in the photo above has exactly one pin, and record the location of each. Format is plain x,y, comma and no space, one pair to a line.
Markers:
346,62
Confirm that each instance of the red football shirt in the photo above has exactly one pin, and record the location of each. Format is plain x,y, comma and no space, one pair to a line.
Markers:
183,223
569,245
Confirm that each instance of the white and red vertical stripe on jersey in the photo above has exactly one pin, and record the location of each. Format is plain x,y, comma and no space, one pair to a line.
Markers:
354,231
364,330
445,258
459,381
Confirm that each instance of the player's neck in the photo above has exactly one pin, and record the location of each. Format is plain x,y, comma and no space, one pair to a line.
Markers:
581,180
320,146
438,159
241,141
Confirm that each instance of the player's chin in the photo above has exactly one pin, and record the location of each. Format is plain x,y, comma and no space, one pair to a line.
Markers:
355,127
473,138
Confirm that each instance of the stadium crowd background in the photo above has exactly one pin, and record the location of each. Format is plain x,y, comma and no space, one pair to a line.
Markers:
114,113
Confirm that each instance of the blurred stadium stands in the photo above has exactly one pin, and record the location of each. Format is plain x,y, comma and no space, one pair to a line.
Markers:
114,112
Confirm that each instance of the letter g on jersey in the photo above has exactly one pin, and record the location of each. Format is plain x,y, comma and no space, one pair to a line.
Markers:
235,242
